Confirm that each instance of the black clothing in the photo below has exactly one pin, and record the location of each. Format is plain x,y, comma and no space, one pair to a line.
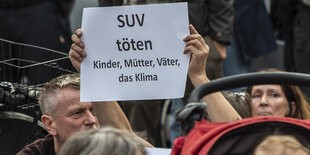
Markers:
302,39
42,23
43,146
302,43
213,18
292,26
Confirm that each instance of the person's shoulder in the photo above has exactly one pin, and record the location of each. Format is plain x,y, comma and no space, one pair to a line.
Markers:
41,146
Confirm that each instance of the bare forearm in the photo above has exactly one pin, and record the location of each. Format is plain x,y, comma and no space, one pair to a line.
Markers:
221,49
144,142
219,109
111,114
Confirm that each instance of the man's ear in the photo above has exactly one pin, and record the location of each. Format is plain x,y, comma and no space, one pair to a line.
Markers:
48,121
293,108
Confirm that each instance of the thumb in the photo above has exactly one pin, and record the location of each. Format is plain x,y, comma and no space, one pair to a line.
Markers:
192,30
78,32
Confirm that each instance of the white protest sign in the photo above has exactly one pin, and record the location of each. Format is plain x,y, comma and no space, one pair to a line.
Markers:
158,151
134,52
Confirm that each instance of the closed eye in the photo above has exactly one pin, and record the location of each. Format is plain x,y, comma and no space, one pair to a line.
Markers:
256,95
91,109
77,113
275,95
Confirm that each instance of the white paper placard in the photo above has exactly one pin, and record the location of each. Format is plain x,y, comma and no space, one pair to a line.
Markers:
158,151
134,52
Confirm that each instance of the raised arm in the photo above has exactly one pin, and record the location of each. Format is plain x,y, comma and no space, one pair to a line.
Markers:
108,113
219,109
111,114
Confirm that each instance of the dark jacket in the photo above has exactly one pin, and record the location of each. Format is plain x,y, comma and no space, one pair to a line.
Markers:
213,18
43,146
253,28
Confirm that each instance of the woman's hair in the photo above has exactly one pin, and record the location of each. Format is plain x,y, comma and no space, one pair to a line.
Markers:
281,144
102,141
240,102
292,94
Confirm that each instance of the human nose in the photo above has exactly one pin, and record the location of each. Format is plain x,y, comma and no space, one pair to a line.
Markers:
264,100
90,118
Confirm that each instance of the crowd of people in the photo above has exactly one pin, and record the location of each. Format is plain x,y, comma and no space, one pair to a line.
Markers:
82,128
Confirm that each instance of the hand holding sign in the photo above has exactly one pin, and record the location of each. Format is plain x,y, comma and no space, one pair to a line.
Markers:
199,50
127,56
77,53
194,44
